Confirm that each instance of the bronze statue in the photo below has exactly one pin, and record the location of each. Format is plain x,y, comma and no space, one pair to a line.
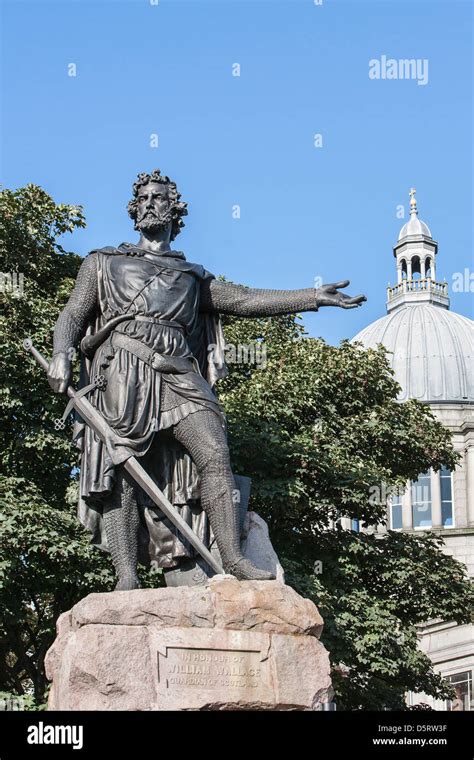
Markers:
146,319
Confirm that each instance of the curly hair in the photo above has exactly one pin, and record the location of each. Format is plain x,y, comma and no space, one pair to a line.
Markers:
177,208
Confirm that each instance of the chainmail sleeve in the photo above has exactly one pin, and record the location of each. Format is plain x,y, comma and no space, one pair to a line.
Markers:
227,298
79,310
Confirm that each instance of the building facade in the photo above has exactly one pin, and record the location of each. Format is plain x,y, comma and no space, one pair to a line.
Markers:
432,356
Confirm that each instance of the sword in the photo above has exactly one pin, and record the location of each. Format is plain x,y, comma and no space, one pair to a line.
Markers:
96,422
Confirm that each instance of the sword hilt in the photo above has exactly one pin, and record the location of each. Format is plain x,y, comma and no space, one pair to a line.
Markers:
28,346
39,358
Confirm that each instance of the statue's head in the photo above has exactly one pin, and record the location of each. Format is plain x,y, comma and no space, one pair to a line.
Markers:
156,204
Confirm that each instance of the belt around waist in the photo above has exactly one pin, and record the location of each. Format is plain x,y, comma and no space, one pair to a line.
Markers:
157,321
90,343
168,364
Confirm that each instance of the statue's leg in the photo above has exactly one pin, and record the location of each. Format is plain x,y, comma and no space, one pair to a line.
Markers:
201,433
121,523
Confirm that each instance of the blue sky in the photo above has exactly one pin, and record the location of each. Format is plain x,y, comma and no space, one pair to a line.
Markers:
306,212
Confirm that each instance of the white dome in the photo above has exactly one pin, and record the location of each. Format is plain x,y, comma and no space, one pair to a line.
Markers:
414,227
432,351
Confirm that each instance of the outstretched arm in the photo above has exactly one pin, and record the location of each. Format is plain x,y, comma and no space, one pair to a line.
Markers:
72,324
227,298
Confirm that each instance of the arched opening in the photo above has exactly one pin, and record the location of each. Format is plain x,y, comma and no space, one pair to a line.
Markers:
428,272
415,268
403,266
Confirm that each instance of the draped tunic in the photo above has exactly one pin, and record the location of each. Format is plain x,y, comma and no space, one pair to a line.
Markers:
140,403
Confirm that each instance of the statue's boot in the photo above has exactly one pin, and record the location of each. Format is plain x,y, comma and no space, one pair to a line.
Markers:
217,492
203,436
121,522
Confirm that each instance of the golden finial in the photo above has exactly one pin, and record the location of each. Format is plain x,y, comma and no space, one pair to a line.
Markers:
413,207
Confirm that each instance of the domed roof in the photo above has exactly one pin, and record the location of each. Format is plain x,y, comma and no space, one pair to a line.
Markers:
414,227
432,351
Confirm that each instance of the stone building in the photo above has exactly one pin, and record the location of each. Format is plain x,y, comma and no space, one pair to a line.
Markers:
432,356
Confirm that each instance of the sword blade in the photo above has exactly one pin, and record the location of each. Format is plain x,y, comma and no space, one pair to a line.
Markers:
96,422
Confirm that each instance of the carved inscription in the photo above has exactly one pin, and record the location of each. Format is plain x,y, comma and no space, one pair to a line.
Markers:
210,668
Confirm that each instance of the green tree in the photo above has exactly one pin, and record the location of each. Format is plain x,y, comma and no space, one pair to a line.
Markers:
317,428
46,563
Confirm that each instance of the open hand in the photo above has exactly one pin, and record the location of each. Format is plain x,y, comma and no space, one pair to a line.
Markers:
328,295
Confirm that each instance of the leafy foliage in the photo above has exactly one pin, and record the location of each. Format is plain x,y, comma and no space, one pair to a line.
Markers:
322,435
46,562
29,223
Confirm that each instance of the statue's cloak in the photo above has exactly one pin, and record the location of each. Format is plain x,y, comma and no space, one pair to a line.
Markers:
139,403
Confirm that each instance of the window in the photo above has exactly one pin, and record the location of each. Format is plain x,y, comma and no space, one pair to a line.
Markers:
355,525
421,501
445,476
396,512
415,267
462,683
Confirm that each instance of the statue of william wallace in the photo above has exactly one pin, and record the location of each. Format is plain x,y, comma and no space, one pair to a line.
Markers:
145,318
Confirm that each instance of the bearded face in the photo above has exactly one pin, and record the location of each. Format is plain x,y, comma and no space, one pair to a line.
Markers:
154,210
150,222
